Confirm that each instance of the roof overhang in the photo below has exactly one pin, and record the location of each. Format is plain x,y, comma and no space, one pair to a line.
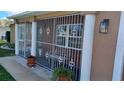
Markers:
36,13
28,14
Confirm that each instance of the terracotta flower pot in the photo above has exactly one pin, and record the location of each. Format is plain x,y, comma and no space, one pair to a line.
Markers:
63,78
31,61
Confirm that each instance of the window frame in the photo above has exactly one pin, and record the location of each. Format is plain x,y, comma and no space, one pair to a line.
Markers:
67,36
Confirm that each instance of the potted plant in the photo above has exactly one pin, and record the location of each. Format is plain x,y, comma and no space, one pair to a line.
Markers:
62,74
31,61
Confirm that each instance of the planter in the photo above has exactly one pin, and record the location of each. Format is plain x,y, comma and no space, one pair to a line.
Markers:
62,74
63,78
31,61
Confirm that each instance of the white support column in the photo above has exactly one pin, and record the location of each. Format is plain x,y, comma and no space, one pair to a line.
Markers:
119,55
34,37
16,40
87,47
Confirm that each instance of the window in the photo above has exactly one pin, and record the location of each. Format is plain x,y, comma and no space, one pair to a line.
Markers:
75,30
62,30
24,39
21,31
69,35
61,40
75,35
61,34
28,31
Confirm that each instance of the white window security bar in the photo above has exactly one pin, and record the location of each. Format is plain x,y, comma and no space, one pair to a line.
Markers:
60,43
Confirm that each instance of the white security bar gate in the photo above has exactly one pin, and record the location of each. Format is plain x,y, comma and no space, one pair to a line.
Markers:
24,39
59,42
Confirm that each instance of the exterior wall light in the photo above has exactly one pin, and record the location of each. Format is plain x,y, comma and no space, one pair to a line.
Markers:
104,24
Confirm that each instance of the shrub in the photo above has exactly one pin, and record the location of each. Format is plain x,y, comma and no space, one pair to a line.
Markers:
10,45
58,72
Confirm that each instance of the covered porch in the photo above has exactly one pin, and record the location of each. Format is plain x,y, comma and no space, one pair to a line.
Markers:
64,40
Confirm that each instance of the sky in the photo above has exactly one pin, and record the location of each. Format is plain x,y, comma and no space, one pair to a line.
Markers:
4,14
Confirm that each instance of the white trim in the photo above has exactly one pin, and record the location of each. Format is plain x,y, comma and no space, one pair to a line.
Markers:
67,36
119,56
34,37
87,47
59,45
16,40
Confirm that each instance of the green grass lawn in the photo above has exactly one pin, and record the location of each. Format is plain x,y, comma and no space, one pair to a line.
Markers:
4,53
4,75
1,41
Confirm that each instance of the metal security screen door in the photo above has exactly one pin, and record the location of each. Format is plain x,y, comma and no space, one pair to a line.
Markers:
24,39
59,42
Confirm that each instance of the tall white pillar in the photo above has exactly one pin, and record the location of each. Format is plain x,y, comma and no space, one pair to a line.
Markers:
34,38
16,40
87,47
119,55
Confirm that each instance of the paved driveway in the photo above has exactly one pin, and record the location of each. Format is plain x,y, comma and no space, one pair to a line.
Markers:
18,71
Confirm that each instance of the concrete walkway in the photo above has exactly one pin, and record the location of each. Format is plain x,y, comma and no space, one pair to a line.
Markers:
18,71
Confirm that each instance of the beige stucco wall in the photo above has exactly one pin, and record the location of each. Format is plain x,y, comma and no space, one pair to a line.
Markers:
104,46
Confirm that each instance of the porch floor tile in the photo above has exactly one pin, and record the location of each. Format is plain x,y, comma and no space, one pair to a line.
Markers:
16,66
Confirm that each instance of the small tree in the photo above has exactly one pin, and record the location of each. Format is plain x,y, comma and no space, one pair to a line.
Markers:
8,36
